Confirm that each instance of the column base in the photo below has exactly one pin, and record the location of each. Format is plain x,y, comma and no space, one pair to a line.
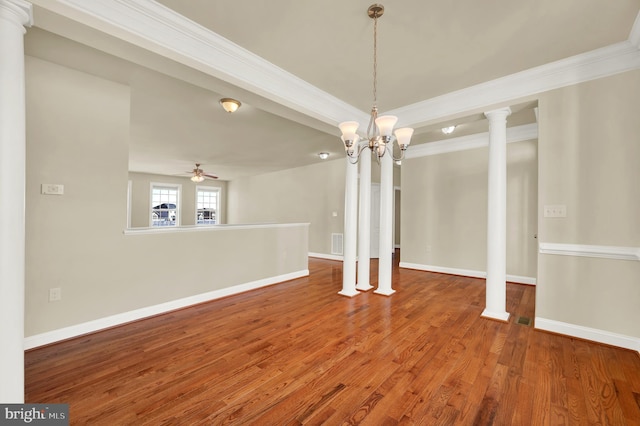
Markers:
385,292
500,316
364,287
348,293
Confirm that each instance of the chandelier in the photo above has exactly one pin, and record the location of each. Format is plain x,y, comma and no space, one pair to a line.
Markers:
379,132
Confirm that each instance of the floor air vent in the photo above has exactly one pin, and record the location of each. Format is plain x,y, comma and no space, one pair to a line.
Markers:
524,321
336,244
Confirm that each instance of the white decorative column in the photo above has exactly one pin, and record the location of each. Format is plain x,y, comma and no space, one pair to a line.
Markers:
350,231
385,261
15,15
497,217
364,222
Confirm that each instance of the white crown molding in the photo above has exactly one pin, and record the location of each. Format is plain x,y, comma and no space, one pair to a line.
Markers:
634,36
125,317
514,134
581,250
587,333
151,25
613,59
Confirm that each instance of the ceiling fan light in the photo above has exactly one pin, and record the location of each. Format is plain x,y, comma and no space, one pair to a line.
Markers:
229,104
197,178
385,123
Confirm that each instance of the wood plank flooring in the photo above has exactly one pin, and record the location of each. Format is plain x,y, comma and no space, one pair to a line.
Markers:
299,353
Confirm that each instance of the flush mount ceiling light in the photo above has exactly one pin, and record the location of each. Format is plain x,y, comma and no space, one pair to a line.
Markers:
448,130
323,155
229,104
379,132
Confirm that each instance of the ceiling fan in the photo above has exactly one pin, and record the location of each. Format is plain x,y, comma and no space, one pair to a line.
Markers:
199,174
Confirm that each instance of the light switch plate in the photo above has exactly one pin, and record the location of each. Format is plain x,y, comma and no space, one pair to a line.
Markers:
52,189
558,210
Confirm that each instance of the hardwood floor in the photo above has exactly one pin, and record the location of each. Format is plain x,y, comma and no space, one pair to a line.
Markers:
298,353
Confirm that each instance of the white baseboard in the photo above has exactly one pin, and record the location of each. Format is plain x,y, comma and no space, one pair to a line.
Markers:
466,272
125,317
326,256
593,334
521,280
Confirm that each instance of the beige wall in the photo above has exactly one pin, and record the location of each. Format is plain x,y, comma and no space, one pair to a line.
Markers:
141,200
444,209
304,194
589,151
77,135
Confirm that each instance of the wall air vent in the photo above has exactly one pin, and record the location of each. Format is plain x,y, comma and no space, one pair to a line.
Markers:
336,244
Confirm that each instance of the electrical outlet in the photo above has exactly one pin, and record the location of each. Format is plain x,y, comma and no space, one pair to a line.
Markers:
55,294
559,210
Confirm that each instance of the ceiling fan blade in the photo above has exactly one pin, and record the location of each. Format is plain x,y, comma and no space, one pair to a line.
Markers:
209,176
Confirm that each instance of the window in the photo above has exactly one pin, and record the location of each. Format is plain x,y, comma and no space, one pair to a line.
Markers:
165,201
207,205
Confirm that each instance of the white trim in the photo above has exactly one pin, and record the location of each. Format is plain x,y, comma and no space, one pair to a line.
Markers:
479,140
518,279
587,333
599,63
444,270
326,256
604,252
22,9
201,228
126,317
157,28
500,316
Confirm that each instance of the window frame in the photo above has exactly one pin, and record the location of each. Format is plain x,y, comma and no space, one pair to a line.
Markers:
207,188
162,185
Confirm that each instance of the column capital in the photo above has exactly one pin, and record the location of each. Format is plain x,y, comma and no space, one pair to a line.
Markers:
17,11
498,113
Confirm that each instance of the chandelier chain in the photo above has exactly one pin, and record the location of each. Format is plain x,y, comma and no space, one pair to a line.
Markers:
375,60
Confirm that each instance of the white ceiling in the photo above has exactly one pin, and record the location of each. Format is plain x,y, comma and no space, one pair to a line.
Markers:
426,50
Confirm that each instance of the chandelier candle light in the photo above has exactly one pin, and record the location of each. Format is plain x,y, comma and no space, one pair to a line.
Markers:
379,132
